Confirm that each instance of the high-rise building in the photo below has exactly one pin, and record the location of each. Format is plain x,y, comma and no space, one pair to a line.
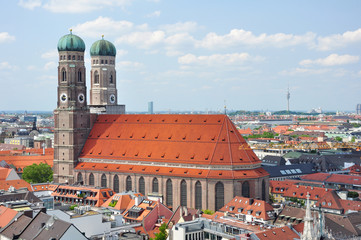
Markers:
150,108
71,116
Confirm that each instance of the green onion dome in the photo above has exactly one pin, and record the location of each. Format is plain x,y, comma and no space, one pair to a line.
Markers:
71,42
103,48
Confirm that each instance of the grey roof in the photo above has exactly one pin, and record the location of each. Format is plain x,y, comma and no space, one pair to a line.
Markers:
289,170
273,161
16,227
330,162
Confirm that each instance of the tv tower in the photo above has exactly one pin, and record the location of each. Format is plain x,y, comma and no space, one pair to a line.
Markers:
288,98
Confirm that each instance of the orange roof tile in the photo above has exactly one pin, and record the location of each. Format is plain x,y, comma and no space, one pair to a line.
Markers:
174,171
278,234
248,206
17,184
4,173
6,215
189,139
300,192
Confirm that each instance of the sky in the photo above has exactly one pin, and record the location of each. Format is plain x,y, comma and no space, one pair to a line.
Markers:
190,55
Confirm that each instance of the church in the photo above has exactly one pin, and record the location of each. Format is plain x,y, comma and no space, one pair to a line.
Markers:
198,161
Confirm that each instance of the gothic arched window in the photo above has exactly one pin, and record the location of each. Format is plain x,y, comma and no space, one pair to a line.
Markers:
79,76
245,189
183,192
116,184
198,195
80,177
141,186
63,75
263,190
128,184
96,77
103,181
219,197
169,193
91,179
155,185
111,78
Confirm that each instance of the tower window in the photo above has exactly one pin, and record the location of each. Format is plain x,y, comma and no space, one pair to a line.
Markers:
69,57
106,61
82,58
96,61
96,77
93,61
79,76
73,57
111,78
78,57
63,75
102,61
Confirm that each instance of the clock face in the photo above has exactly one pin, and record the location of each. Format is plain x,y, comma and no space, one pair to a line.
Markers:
112,98
81,98
63,97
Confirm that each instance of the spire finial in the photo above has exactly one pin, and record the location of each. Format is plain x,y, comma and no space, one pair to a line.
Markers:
71,31
103,36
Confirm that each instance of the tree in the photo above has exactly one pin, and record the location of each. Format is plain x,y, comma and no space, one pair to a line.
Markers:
338,139
162,235
38,173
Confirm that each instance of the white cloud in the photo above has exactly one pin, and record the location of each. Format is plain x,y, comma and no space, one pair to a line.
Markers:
29,4
338,40
52,54
180,27
153,14
304,71
143,40
7,66
6,37
50,66
239,36
217,59
71,6
331,60
129,65
102,26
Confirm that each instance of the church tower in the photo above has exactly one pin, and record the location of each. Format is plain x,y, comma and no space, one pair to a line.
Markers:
72,120
103,91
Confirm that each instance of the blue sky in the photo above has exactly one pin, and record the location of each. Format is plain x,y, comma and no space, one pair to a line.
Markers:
190,55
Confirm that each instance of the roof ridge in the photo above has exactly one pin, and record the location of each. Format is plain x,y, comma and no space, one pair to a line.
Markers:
215,147
229,142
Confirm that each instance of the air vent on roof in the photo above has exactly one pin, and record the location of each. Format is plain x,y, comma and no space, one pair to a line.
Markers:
144,136
136,154
124,153
220,174
157,170
118,167
206,158
171,170
150,154
138,120
176,120
200,173
107,135
231,131
150,120
90,135
192,157
99,152
131,136
162,156
143,169
106,120
156,137
106,166
111,153
213,138
184,138
219,120
186,171
199,138
126,120
240,159
131,168
170,137
99,135
205,120
190,120
223,139
114,120
91,152
177,156
221,158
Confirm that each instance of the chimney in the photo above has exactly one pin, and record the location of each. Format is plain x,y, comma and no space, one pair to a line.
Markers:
251,201
180,211
185,211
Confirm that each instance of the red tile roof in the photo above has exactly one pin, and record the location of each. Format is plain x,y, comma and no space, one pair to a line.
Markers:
189,139
4,173
320,177
282,233
21,159
300,192
17,184
173,171
123,201
6,215
247,206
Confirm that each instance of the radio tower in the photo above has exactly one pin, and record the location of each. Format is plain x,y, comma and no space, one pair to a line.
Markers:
288,98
